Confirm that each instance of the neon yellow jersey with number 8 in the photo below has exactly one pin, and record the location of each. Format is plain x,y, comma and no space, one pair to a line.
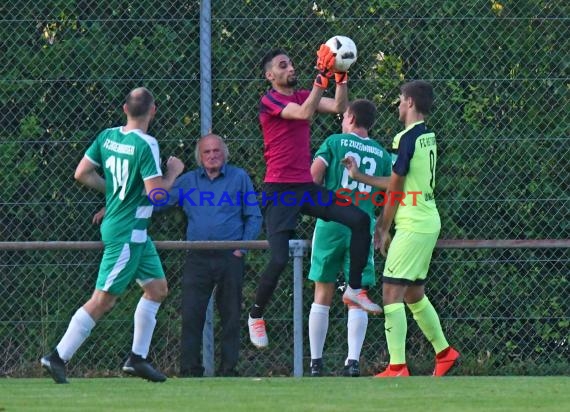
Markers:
414,155
127,159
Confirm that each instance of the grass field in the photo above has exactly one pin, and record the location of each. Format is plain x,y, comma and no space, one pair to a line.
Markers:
416,394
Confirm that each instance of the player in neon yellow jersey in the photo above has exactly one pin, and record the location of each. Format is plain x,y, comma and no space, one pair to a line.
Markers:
408,255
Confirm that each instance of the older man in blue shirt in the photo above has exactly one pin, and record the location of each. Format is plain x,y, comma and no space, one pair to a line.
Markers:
218,201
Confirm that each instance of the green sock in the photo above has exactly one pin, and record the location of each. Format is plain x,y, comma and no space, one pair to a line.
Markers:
396,328
428,321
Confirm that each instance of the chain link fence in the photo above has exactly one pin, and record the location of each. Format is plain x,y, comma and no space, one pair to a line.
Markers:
500,70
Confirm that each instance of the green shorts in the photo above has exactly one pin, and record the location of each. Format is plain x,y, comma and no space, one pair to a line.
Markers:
409,257
123,262
331,254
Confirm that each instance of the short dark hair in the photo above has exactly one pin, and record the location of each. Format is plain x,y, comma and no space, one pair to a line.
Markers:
421,93
270,55
364,112
139,101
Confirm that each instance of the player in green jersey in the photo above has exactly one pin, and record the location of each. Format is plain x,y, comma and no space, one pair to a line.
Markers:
331,240
418,224
130,161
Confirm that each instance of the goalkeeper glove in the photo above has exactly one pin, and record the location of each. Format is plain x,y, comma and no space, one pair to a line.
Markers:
325,64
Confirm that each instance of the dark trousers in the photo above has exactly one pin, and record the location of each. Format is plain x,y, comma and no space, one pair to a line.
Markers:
281,219
204,270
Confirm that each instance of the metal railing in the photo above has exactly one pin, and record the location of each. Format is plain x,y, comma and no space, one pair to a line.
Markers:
298,249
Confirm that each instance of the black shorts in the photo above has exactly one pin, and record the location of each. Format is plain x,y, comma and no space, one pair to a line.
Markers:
284,202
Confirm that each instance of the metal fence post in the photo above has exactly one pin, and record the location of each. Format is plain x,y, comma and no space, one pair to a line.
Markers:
205,128
297,250
205,67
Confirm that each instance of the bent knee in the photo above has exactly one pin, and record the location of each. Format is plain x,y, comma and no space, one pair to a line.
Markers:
360,225
156,290
102,307
279,261
363,221
278,265
100,303
161,294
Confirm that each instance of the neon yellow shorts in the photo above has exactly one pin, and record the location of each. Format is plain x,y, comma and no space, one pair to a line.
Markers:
409,257
330,254
123,262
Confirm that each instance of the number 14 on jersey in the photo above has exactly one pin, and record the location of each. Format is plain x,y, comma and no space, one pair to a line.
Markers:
119,169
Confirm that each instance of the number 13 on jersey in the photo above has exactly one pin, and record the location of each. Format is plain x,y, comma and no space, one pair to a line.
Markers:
370,169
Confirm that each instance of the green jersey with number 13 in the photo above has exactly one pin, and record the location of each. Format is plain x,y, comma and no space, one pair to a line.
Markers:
371,158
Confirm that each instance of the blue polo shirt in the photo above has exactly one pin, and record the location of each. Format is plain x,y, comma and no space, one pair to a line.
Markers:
216,209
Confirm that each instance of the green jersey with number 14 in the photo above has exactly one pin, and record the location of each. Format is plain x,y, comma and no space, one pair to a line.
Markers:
371,158
128,159
415,157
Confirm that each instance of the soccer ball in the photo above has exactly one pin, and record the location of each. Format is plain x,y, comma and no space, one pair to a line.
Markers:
344,50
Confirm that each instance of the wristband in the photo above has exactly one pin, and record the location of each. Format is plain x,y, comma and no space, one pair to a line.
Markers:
321,81
341,77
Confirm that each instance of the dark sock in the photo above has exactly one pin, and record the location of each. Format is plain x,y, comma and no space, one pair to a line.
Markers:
256,312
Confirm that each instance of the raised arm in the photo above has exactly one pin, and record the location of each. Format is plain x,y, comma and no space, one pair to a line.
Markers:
306,110
340,101
325,63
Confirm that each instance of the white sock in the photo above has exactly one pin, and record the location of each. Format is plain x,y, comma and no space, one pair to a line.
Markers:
318,327
78,330
145,321
356,327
